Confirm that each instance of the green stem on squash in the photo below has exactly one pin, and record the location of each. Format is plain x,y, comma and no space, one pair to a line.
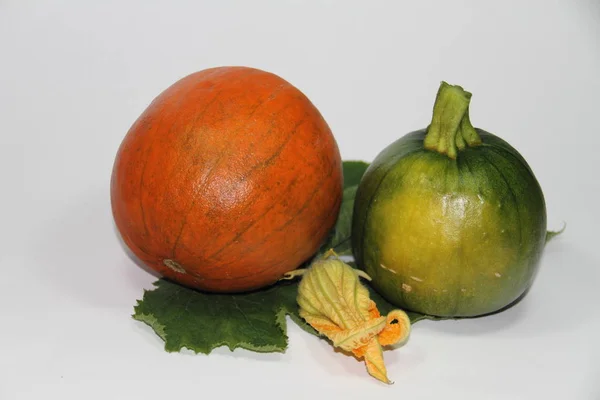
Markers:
451,130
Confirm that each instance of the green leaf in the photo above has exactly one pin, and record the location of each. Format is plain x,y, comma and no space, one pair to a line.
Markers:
201,322
340,238
353,172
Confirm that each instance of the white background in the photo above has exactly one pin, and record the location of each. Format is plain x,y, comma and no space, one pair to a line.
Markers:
74,75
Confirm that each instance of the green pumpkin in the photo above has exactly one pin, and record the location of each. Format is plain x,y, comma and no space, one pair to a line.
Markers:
449,221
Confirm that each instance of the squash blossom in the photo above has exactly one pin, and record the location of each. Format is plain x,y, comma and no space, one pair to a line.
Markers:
334,302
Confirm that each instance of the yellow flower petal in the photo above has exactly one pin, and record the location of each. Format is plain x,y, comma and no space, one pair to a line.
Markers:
397,328
374,361
334,302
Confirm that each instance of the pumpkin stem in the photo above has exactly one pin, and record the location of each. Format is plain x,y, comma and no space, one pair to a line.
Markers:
451,130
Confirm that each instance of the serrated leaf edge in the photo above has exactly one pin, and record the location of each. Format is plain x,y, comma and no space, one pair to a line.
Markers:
160,330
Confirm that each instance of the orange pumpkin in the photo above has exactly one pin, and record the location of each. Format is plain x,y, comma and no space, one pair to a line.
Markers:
230,178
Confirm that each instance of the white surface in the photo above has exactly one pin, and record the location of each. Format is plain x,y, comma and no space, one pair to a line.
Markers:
74,75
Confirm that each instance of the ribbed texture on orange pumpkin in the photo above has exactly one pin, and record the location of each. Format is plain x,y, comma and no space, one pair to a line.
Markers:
230,178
